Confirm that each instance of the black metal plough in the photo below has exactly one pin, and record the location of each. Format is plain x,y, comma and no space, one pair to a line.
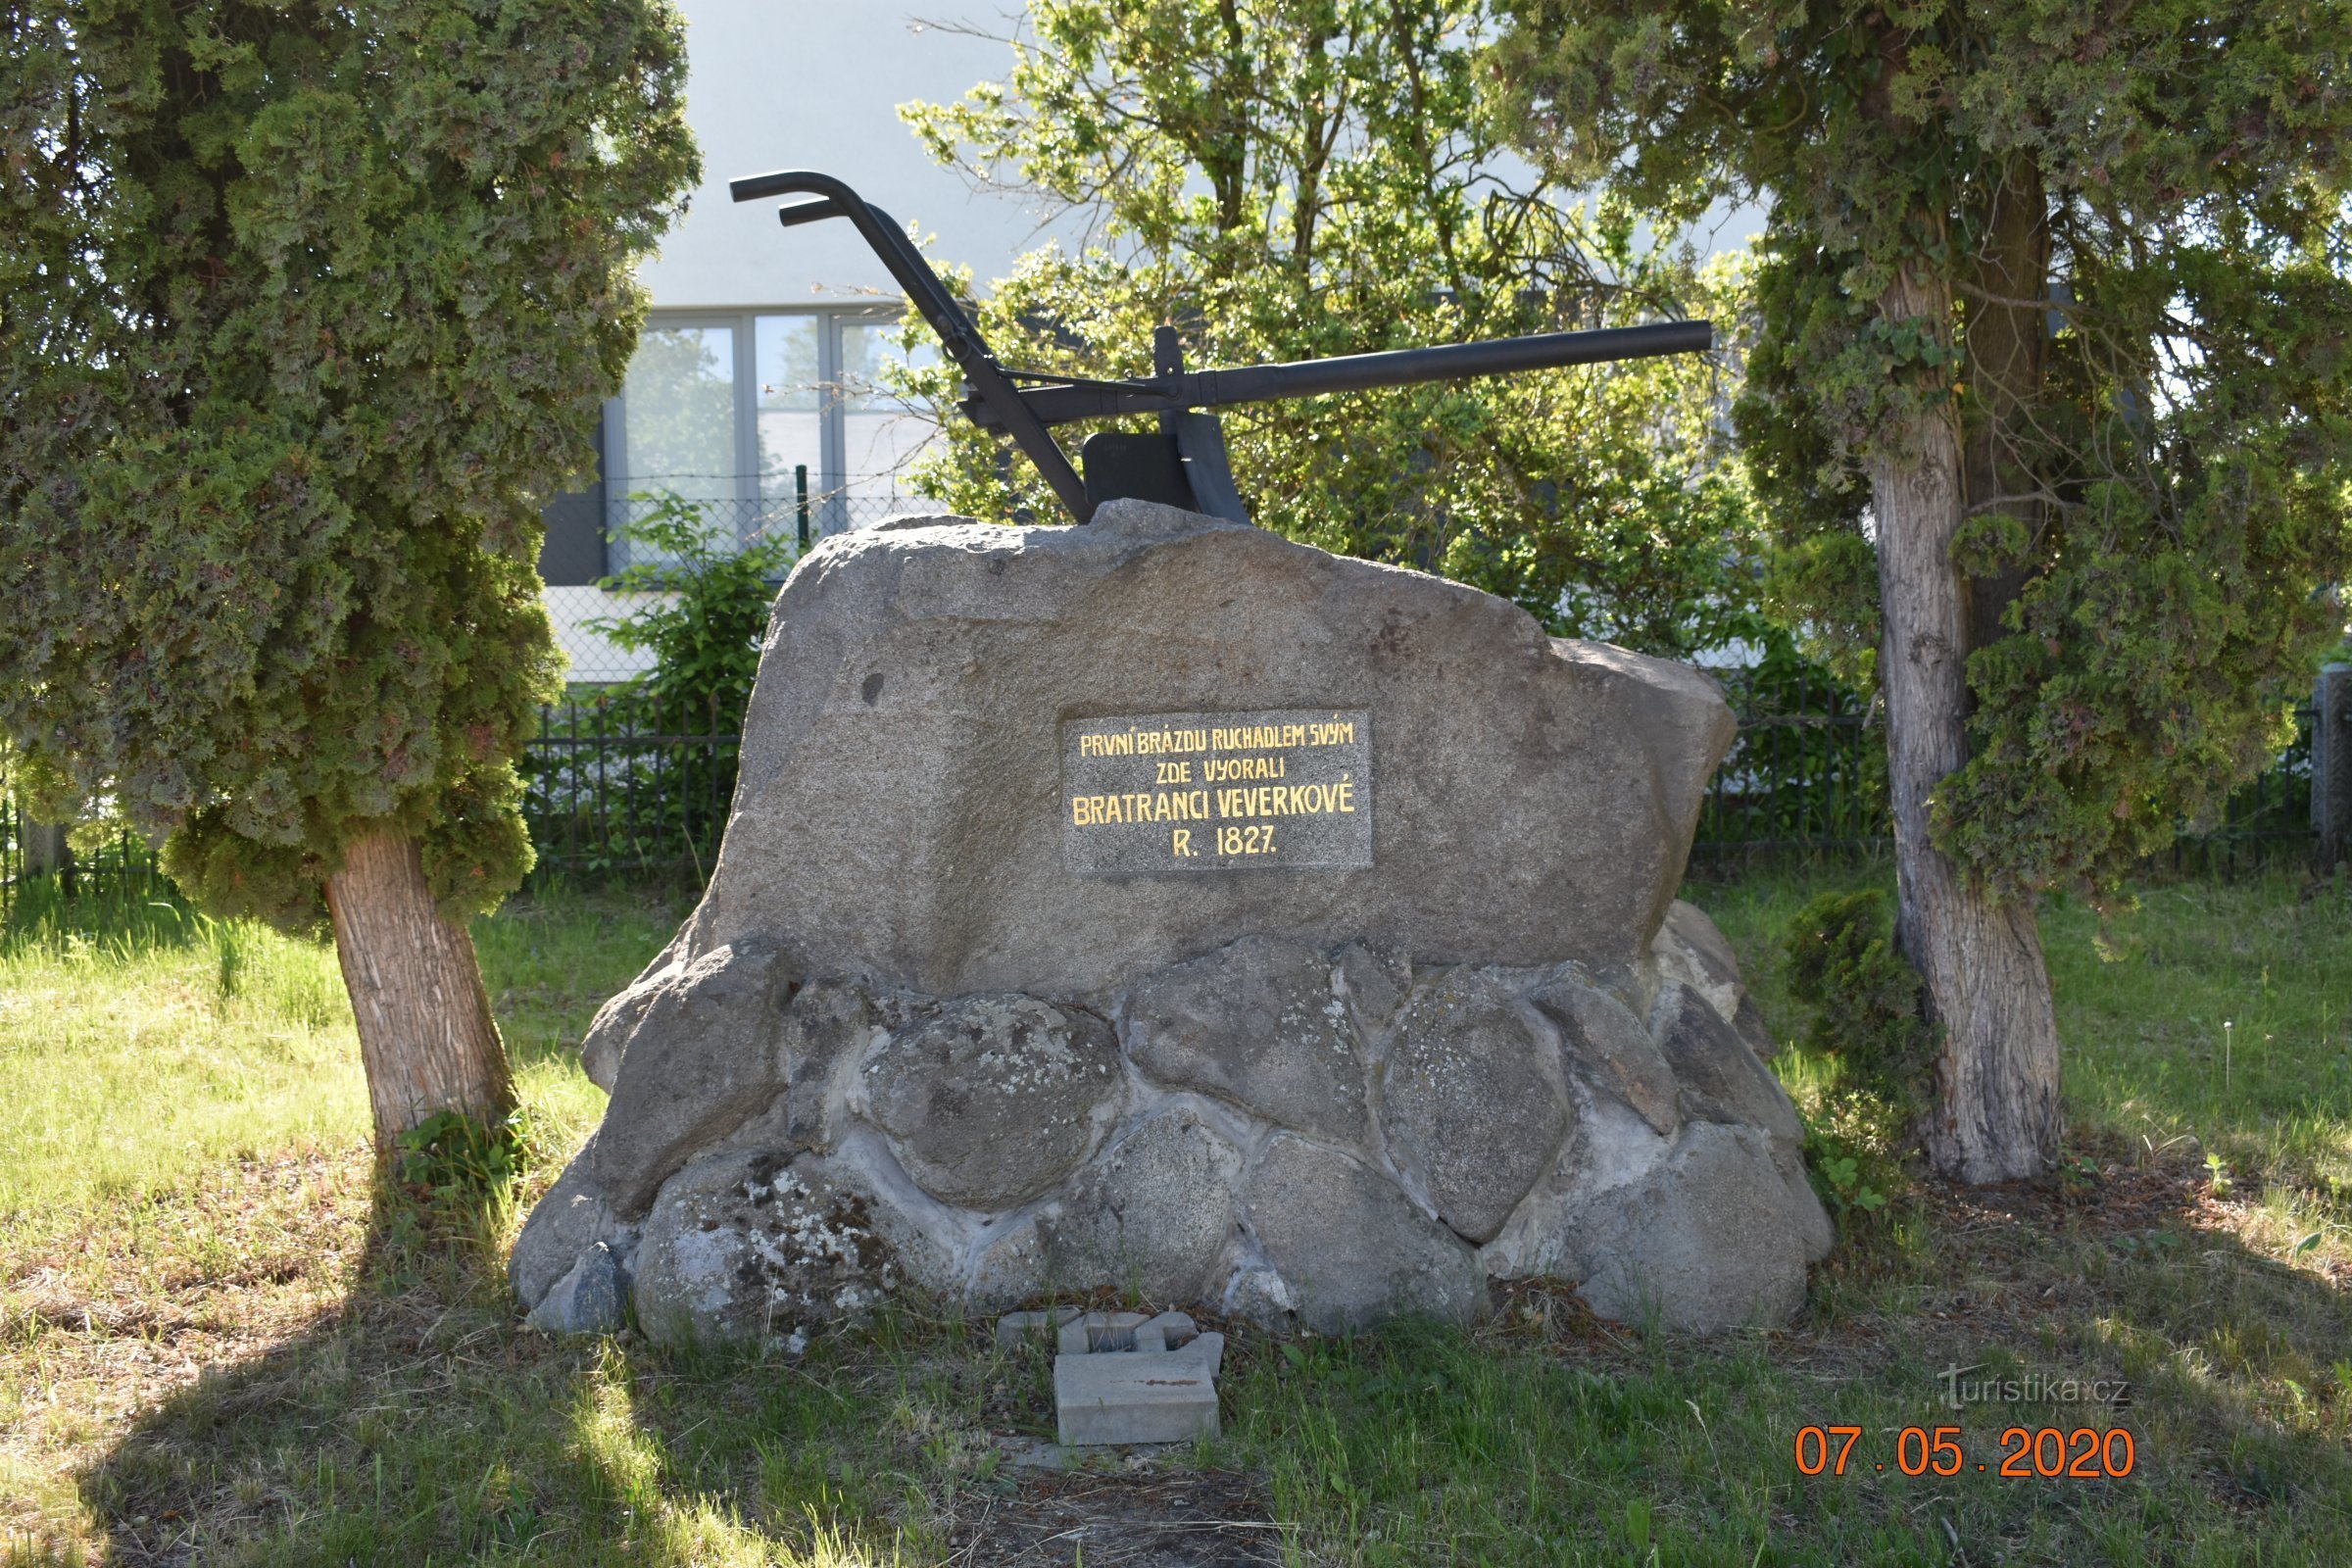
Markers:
1184,462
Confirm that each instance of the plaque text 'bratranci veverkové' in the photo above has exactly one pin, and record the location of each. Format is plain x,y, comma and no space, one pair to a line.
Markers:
1285,789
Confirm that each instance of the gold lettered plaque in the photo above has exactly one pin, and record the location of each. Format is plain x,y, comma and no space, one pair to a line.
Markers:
1284,790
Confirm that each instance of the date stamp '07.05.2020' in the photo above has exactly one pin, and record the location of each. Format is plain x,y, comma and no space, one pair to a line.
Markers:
2080,1454
2044,1452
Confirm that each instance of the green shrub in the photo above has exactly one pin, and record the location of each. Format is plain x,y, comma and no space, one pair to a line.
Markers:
1868,1017
1865,996
451,1154
704,634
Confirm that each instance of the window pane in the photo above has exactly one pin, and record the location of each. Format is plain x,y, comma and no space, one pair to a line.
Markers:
678,433
680,409
791,404
881,435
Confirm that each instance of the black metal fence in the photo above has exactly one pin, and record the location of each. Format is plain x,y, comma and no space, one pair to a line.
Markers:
617,782
618,785
1807,770
101,862
2268,819
1807,774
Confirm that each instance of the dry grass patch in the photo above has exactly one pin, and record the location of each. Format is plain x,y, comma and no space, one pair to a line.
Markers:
102,1322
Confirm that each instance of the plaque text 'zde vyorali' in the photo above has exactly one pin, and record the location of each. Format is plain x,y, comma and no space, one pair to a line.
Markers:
1287,789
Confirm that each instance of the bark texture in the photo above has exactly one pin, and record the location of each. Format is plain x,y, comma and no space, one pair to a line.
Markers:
48,849
2008,348
1996,1116
426,1037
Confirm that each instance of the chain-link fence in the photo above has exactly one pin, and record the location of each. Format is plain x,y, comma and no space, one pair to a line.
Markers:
800,520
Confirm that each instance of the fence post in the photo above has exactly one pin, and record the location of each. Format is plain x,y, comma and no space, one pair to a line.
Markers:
2332,762
799,488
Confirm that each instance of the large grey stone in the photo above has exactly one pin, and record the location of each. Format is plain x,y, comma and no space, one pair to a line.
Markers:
1256,1023
1152,1214
586,1300
745,1246
1604,1043
1375,981
1716,1237
608,1037
570,1218
876,1057
1347,1247
1470,1104
989,1100
701,1060
1010,1264
1689,947
827,1027
1758,1035
900,813
1721,1079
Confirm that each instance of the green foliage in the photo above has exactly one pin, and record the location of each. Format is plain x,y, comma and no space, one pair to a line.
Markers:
450,1155
2103,253
1865,994
303,309
706,629
2217,1176
1843,1179
1293,178
2148,671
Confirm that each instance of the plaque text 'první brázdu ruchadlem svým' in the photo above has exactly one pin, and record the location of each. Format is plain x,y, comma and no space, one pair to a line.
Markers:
1285,789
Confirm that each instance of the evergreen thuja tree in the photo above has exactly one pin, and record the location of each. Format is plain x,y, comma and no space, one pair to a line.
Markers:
303,307
2052,408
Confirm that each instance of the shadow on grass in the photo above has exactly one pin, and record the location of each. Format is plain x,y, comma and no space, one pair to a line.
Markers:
420,1422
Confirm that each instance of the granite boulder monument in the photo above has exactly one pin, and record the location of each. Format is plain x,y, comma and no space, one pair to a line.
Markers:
1161,904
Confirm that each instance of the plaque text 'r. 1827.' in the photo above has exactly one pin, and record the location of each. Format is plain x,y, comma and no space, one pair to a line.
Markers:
1291,788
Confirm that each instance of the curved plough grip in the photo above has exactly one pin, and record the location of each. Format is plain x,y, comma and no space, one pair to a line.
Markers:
1183,465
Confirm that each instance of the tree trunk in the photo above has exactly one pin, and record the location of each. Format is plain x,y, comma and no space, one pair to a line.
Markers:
48,851
426,1037
1996,1116
2008,348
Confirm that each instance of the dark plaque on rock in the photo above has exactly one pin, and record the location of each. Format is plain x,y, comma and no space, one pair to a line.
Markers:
1282,789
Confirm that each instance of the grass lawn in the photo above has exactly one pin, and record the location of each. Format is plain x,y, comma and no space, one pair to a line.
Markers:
221,1341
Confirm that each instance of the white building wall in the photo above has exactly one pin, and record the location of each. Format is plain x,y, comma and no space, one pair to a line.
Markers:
800,85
